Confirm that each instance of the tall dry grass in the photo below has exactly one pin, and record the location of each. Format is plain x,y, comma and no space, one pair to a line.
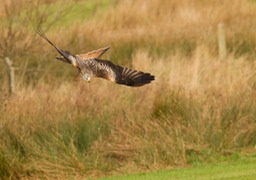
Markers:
198,109
174,26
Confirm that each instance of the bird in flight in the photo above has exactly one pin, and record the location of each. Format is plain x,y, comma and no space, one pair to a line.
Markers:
89,65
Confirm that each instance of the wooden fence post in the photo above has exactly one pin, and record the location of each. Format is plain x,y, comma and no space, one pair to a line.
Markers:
11,74
222,41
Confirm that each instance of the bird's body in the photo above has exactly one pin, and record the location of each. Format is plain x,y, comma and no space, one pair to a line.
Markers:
89,66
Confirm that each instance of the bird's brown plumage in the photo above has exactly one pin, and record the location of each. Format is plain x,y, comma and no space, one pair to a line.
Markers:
89,65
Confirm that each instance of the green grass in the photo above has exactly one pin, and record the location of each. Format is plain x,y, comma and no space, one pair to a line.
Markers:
79,11
244,168
59,14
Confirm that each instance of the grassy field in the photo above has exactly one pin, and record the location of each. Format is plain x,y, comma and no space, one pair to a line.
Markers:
201,109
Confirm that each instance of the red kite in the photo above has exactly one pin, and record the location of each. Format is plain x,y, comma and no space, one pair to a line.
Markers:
89,66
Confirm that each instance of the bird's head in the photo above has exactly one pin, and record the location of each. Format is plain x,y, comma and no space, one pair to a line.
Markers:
86,77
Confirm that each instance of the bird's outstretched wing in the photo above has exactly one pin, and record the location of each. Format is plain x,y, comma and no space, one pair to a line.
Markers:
90,55
65,54
121,75
93,54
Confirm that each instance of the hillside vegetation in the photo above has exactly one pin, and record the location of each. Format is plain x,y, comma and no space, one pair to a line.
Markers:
200,109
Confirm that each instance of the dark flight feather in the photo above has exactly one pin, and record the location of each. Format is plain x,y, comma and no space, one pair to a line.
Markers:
122,75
